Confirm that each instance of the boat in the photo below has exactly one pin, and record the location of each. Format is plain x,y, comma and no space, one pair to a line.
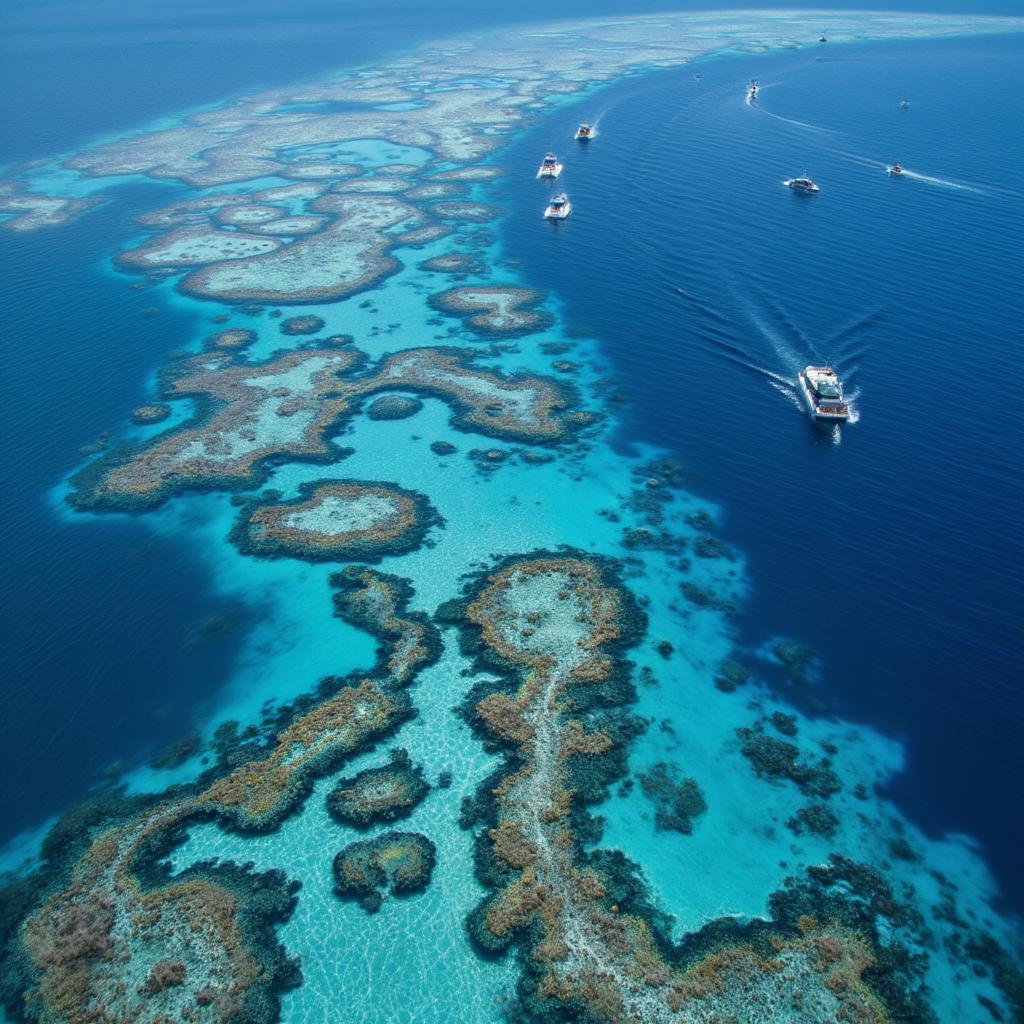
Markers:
585,132
823,392
698,77
752,89
549,167
904,104
896,169
822,40
559,208
802,184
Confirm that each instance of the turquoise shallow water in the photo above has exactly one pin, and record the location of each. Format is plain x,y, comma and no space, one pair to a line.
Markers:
384,967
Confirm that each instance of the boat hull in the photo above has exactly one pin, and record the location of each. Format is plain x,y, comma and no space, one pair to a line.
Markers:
551,174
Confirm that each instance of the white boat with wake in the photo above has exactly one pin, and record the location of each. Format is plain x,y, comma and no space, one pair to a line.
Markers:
549,167
823,392
559,208
896,170
585,132
752,90
802,184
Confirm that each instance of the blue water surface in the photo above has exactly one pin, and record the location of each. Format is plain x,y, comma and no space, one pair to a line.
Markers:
895,547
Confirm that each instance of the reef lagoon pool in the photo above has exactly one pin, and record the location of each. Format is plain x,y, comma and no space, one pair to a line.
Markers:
400,579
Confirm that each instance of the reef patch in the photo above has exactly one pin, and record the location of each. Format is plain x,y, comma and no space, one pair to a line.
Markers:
378,794
395,863
337,520
495,311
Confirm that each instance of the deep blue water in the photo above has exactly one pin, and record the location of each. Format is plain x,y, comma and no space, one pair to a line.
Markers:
111,639
896,553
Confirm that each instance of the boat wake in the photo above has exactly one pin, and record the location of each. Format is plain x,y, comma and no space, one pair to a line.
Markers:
927,179
769,343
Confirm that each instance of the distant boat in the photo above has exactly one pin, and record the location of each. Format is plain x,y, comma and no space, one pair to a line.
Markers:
823,392
822,40
549,167
698,77
904,104
896,169
802,184
559,208
752,89
585,132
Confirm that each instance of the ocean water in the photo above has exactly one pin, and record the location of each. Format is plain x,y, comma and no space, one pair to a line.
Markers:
895,548
690,278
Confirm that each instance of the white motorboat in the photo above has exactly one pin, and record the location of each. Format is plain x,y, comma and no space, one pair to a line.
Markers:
823,392
802,184
559,208
585,132
549,167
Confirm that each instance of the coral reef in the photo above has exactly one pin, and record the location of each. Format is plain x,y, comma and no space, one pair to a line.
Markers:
393,407
777,759
454,263
196,245
251,414
337,520
399,863
555,627
676,801
301,325
231,339
493,311
378,794
154,413
103,932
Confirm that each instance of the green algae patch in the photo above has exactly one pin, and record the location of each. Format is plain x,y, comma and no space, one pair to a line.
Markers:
378,794
337,520
395,863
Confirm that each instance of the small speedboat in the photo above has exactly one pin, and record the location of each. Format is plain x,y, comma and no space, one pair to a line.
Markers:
896,169
559,208
752,89
822,40
549,167
585,132
698,77
802,184
904,104
823,392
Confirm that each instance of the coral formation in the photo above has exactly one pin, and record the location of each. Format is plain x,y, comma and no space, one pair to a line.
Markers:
556,628
104,932
253,413
495,311
337,520
154,413
676,801
378,794
393,407
399,863
301,325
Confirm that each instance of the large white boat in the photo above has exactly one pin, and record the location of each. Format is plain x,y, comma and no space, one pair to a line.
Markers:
559,208
802,184
823,392
549,167
585,132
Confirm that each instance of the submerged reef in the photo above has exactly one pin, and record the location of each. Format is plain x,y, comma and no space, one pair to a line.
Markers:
301,325
255,413
676,801
556,628
337,520
103,931
378,794
393,407
504,312
146,414
399,863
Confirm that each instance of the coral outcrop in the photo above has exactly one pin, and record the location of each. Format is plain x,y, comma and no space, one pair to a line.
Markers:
399,863
378,794
337,520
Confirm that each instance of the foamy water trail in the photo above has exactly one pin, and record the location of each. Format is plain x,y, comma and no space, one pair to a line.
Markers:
928,179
